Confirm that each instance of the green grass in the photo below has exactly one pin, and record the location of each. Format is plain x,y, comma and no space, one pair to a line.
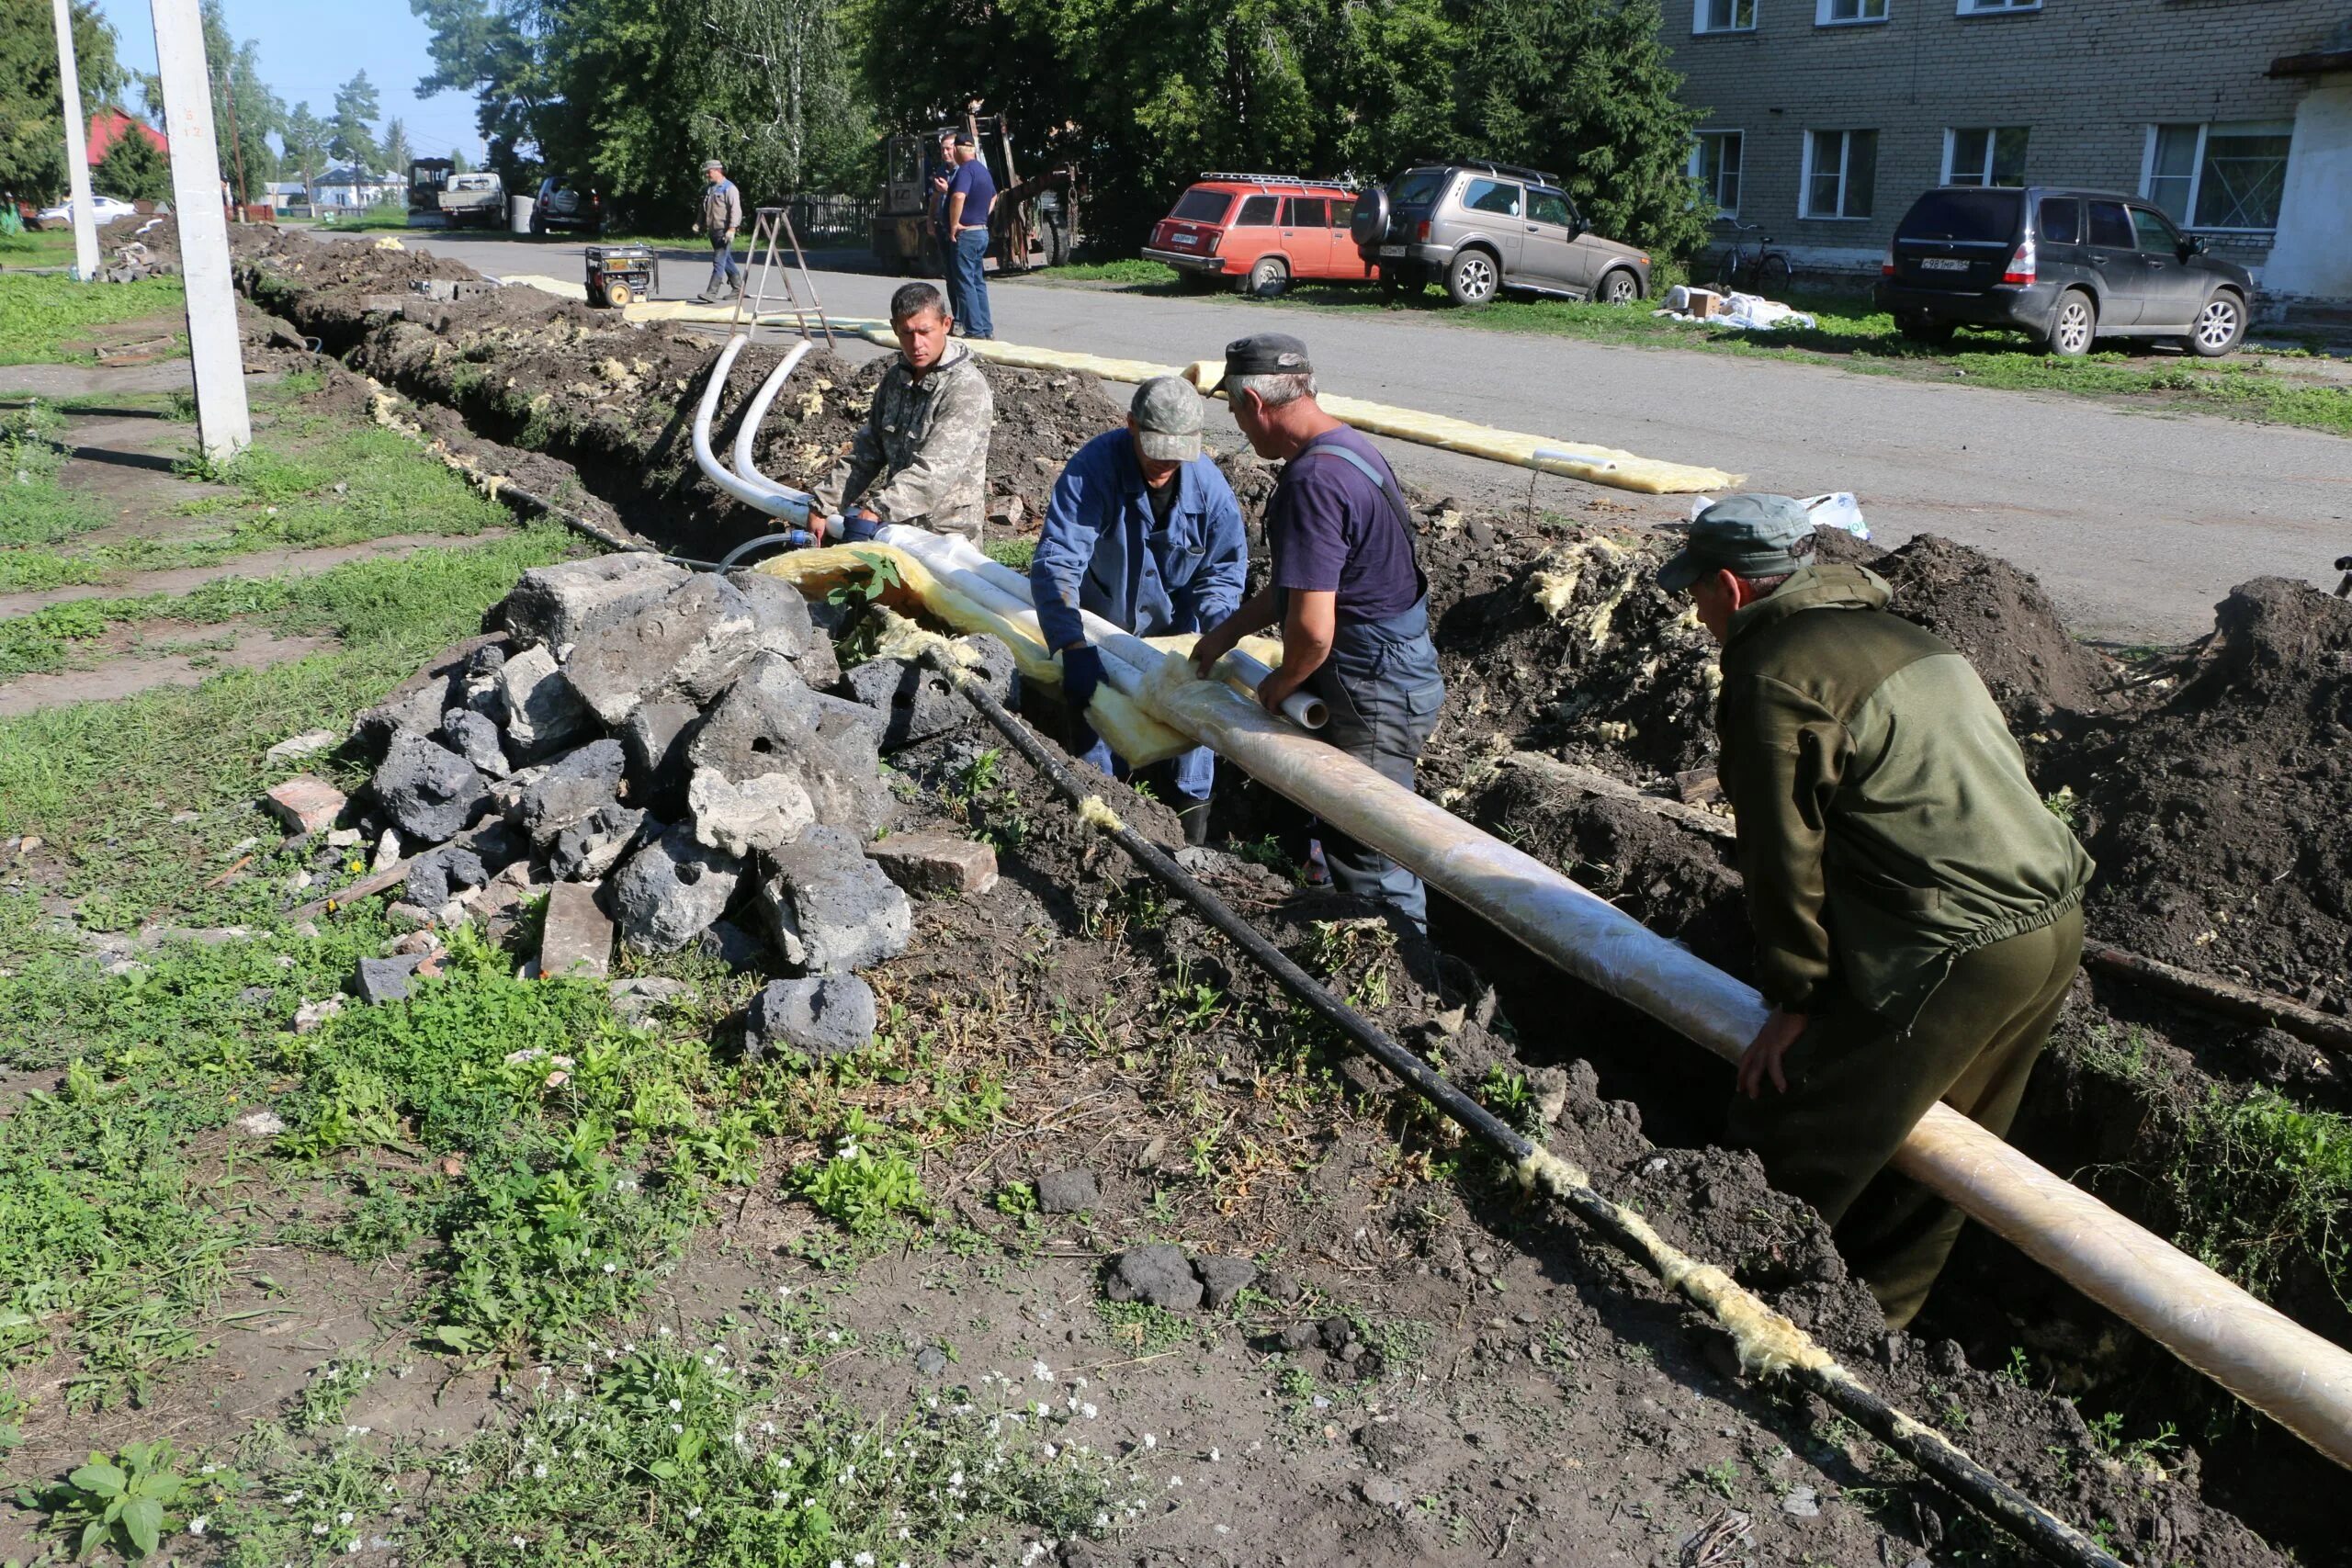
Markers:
43,320
288,498
1014,553
1123,269
34,509
40,247
1848,333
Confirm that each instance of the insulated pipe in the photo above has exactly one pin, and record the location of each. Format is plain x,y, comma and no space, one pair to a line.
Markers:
2296,1378
776,501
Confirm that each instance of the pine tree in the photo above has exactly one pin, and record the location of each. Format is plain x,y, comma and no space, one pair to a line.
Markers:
305,138
356,110
396,148
134,170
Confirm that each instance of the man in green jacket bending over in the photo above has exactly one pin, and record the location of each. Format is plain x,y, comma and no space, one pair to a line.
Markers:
1917,910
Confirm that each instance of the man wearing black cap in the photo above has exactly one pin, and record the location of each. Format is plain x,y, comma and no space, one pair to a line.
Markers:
1143,531
1917,910
1346,590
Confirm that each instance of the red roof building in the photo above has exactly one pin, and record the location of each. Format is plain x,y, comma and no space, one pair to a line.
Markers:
110,126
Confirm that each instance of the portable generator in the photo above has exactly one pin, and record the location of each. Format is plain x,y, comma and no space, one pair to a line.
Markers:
619,275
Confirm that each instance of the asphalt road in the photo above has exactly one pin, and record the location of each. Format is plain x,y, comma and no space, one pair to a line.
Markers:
2137,522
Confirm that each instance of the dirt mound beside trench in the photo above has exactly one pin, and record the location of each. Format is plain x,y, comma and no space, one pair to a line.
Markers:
2221,818
531,371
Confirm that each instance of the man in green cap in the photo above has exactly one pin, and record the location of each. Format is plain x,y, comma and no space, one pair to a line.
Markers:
1917,910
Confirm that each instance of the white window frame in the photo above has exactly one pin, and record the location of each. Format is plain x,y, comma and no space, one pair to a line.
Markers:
1699,29
2187,223
1699,168
1822,19
1992,145
1993,7
1845,159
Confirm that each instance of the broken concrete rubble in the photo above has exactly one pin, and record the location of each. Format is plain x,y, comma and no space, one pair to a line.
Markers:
576,941
917,701
655,739
430,793
542,710
474,736
556,606
831,909
670,891
821,1015
688,645
573,788
764,813
593,845
936,865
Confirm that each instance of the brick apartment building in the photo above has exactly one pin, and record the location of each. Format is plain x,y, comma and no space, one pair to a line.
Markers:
1826,118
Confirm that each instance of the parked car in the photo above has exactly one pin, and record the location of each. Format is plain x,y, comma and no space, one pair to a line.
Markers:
2066,267
1481,228
105,210
474,199
1260,232
564,202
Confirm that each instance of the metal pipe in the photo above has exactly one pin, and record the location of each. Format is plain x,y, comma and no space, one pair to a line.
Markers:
776,501
2300,1380
1784,1346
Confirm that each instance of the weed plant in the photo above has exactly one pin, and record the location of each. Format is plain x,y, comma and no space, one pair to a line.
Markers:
46,319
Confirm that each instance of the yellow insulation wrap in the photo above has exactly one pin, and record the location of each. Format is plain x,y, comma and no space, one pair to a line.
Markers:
1117,718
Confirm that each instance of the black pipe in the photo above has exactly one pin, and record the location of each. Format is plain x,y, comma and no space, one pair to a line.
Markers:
1961,1474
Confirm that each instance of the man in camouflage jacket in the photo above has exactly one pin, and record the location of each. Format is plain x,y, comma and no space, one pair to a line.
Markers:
921,457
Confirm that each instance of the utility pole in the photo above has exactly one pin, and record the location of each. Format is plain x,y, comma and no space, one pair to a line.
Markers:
236,147
77,148
224,425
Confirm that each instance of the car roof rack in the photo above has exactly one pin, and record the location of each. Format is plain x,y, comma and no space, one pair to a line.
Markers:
1512,171
1278,180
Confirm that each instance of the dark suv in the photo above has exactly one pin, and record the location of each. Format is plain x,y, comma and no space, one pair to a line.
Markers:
1481,228
567,203
2067,267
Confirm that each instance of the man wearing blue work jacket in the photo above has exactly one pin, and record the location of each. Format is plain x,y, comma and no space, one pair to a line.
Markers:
1143,531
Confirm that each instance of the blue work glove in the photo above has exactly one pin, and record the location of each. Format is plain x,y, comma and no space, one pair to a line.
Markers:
1081,673
859,527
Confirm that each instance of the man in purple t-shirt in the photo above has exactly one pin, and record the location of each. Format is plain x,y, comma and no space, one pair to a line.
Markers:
1350,598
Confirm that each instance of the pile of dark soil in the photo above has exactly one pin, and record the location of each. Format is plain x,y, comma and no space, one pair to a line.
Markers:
2220,816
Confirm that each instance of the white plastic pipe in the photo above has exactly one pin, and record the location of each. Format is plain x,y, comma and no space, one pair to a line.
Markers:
755,414
2293,1375
776,501
1239,670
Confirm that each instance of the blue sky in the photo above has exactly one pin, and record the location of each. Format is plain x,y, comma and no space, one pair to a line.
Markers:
308,49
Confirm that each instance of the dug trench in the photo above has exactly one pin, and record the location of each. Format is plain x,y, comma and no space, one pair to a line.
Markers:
1559,650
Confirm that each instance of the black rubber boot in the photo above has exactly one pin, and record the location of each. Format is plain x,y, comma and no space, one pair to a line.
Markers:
1194,814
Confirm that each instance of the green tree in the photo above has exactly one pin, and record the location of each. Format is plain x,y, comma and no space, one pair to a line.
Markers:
134,170
32,116
304,138
458,163
1584,88
237,83
396,148
357,108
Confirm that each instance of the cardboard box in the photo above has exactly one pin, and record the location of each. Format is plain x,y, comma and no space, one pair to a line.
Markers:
1706,303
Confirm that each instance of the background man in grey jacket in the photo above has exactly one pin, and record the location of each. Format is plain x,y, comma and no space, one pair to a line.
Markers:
722,215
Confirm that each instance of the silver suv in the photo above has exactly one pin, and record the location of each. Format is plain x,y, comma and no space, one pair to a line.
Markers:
1481,228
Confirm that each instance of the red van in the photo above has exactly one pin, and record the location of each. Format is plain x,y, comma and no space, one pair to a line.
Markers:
1259,232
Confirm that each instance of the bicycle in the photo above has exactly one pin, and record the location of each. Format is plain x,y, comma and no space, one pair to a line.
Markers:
1763,271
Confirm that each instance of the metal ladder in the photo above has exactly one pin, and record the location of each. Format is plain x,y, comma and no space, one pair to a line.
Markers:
771,231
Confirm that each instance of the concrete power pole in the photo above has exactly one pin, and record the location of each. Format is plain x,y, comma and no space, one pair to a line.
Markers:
77,148
224,427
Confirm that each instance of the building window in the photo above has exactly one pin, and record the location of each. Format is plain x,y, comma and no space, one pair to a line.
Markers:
1840,170
2217,176
1845,13
1715,164
1994,7
1984,155
1723,16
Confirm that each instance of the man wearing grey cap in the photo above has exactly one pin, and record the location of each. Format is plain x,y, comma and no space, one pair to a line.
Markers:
1143,531
1917,910
1346,590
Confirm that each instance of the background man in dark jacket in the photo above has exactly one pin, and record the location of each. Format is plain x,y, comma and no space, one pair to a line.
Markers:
1917,909
1143,531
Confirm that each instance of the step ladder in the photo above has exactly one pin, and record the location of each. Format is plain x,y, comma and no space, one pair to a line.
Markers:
772,234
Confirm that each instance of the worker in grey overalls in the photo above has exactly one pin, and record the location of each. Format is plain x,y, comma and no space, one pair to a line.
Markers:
1350,596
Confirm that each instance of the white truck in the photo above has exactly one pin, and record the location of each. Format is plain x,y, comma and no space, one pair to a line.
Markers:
474,199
